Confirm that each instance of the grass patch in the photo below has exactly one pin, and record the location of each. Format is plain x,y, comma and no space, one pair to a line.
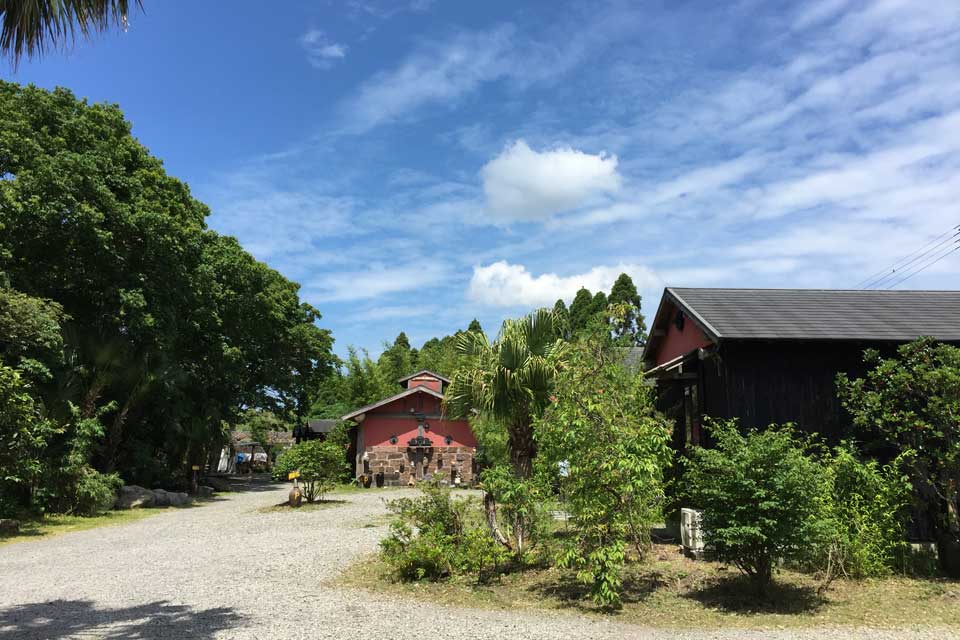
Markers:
52,525
284,507
671,591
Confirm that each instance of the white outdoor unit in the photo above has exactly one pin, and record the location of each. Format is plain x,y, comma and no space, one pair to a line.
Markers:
691,532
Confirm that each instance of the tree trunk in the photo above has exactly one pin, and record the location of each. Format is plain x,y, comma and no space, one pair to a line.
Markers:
522,448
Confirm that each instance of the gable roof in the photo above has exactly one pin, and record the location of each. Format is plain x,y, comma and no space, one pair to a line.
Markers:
321,426
402,394
424,372
815,314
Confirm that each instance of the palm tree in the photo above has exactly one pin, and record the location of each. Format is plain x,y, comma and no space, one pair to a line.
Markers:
509,380
30,27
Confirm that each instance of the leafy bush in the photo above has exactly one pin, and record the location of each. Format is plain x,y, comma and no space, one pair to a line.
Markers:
519,503
602,429
435,536
865,509
95,492
911,402
321,465
761,496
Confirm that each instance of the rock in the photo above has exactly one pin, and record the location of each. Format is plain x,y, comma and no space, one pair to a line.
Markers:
179,499
204,491
218,484
9,527
161,498
134,497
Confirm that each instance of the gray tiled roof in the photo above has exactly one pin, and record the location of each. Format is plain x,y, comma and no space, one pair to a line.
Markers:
321,426
823,314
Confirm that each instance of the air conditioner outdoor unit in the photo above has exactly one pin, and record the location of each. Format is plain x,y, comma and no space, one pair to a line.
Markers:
691,532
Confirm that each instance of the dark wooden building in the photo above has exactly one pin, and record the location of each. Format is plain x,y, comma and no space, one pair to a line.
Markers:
772,355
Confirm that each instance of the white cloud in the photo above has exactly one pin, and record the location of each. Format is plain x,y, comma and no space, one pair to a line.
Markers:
524,184
321,52
375,280
503,284
439,73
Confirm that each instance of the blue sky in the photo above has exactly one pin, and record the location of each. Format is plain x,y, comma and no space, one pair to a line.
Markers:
414,165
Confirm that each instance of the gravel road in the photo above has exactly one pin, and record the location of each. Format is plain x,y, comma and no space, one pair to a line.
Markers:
227,570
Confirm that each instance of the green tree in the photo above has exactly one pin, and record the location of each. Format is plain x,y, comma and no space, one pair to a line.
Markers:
761,496
397,360
631,326
581,310
24,436
561,319
30,27
475,326
602,429
321,463
168,329
911,403
509,379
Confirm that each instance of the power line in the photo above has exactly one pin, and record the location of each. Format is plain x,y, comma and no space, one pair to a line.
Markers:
927,265
886,273
895,272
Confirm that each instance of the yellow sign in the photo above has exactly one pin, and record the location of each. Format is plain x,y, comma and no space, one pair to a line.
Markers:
293,474
195,467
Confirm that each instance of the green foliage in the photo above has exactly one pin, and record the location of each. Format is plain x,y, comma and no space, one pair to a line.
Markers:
581,310
519,503
492,445
24,437
508,380
436,535
321,463
561,319
118,305
630,325
603,430
761,496
865,509
911,403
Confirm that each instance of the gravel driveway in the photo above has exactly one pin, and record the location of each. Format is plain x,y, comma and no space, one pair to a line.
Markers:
226,570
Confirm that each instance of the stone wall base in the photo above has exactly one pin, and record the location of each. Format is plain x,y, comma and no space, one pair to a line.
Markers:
401,465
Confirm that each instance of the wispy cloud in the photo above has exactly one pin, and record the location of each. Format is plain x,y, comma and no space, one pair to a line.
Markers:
322,53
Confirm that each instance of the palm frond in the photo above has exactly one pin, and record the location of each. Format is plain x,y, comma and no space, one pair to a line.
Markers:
31,27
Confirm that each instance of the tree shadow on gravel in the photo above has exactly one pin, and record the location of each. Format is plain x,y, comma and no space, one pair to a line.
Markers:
73,618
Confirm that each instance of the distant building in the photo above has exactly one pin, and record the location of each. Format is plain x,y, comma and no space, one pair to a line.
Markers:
772,355
407,438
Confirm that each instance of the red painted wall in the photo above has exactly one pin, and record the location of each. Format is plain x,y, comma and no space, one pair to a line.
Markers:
394,419
426,381
676,342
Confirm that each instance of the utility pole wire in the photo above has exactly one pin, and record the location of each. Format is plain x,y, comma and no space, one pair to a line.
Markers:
923,267
895,272
884,274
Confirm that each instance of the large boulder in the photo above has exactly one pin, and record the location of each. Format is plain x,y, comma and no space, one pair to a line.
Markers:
162,498
9,527
204,491
134,497
178,499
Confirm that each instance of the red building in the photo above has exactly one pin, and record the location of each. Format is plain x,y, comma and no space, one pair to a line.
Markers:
407,438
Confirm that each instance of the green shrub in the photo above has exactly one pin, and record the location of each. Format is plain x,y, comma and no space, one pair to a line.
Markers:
519,503
602,429
910,404
761,496
865,509
435,536
95,492
321,465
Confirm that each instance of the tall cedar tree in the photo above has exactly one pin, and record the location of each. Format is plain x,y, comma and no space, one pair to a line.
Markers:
581,310
631,326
